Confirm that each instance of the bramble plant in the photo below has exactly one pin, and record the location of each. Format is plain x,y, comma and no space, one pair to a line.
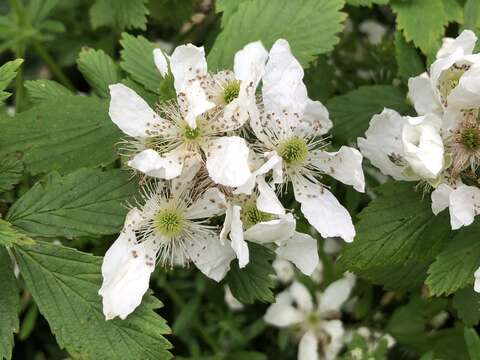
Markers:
254,179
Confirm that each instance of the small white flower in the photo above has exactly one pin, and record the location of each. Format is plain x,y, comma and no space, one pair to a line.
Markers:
290,127
315,326
170,228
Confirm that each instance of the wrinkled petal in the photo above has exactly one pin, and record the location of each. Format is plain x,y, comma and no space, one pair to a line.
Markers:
239,245
196,103
210,256
323,211
161,61
464,206
166,166
383,146
132,114
308,347
344,165
301,296
271,231
334,329
187,63
465,41
300,249
281,314
336,294
249,63
267,200
421,93
211,203
441,198
227,160
315,122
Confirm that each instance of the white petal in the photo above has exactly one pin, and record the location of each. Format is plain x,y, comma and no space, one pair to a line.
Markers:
323,211
383,142
197,103
422,95
300,249
227,223
131,113
166,166
249,185
336,294
302,297
476,285
231,301
441,198
271,231
186,63
465,41
308,347
211,203
284,270
191,165
344,165
283,86
227,160
210,256
239,245
334,329
249,63
316,120
466,95
464,205
267,200
161,61
281,314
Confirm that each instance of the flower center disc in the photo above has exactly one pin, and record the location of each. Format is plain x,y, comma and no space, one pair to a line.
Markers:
293,151
253,216
191,134
231,91
470,139
169,223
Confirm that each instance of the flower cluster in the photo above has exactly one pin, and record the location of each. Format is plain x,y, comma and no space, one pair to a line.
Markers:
439,147
214,161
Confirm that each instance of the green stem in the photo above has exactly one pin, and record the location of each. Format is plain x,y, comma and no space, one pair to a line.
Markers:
18,9
56,70
177,299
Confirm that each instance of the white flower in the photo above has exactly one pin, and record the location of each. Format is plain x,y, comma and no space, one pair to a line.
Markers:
374,30
463,202
284,270
423,145
171,228
290,127
313,325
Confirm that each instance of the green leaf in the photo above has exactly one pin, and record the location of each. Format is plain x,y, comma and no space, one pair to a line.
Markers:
99,70
227,8
471,15
11,171
44,90
453,11
473,343
86,202
254,281
9,236
408,61
396,228
137,60
367,2
312,28
467,304
9,304
64,283
351,112
121,14
454,267
7,72
173,13
64,134
421,22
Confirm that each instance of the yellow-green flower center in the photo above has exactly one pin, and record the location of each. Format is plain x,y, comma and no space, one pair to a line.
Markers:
169,222
293,151
191,134
470,139
231,91
253,216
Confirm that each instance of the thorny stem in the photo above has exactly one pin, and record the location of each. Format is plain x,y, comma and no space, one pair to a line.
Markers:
177,299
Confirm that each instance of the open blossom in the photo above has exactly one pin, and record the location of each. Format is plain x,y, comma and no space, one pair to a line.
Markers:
170,228
289,128
316,326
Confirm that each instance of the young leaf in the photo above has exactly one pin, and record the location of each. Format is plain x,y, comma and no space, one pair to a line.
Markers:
7,72
64,283
11,171
254,281
473,343
467,304
408,61
120,14
44,90
86,202
421,22
312,28
9,304
454,267
351,112
64,134
9,236
396,228
99,70
137,60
